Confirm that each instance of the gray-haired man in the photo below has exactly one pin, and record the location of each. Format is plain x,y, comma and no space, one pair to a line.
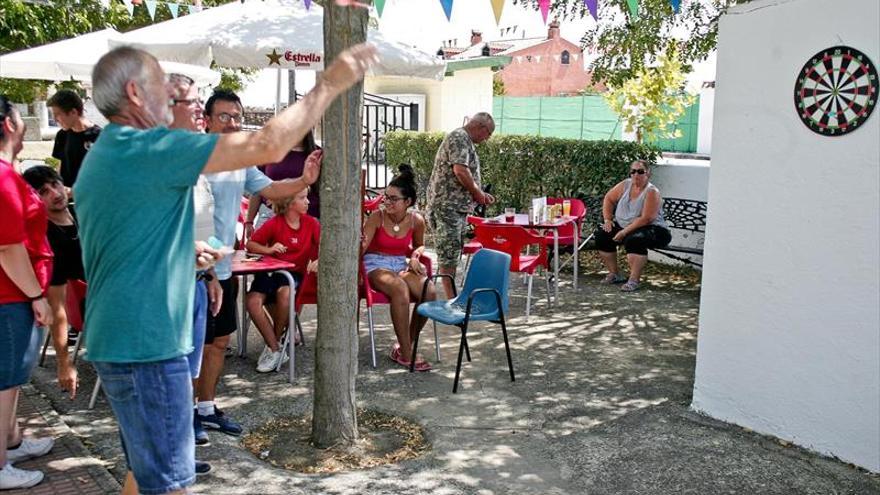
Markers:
136,226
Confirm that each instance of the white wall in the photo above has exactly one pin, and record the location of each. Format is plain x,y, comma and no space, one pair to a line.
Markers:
789,339
704,126
682,178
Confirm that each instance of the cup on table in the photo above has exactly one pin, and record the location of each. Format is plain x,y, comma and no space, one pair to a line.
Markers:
566,208
509,214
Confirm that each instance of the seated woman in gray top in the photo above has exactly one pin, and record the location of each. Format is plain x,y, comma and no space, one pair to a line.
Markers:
632,215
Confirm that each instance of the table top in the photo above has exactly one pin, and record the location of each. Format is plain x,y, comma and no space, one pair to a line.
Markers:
244,266
522,220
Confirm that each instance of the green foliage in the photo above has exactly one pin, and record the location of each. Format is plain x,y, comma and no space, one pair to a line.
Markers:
25,25
497,86
523,167
625,44
651,102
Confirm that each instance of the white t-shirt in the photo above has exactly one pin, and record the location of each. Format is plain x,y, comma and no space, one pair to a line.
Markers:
204,206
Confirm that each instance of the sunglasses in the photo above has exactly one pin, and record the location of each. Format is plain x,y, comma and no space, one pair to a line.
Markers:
227,118
639,171
189,101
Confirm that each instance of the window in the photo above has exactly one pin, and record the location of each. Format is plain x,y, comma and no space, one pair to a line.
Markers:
566,57
486,50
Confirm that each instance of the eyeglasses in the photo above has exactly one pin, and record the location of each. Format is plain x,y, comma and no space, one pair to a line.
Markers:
227,118
188,101
639,171
393,199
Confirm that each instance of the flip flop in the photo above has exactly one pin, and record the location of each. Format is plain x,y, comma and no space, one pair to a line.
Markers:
613,278
630,286
420,365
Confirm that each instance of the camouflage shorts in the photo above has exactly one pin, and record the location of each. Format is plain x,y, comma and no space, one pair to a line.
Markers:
448,229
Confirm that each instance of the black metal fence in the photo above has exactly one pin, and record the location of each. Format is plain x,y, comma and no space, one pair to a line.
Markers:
381,115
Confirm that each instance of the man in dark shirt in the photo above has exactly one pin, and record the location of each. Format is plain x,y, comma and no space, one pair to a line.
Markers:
63,236
76,135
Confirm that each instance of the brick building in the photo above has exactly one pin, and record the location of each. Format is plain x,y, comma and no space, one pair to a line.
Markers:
551,66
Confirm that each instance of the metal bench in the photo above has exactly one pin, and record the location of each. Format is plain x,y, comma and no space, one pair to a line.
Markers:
685,217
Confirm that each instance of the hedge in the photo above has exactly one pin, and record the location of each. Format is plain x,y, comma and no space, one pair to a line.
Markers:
523,167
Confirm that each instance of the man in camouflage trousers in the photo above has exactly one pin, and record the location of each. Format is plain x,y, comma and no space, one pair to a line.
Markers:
454,190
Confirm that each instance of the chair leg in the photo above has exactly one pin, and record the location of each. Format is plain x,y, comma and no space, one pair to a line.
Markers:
77,347
461,347
467,349
45,347
372,334
547,280
436,341
94,397
507,346
529,297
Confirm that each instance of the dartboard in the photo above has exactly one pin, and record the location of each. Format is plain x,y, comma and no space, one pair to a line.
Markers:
836,91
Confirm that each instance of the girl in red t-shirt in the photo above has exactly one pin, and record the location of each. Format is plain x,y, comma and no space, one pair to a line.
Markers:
291,235
25,269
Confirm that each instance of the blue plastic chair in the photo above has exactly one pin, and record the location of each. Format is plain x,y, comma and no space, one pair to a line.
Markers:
483,298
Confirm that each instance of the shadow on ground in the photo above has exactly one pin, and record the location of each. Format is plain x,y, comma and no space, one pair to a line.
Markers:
600,405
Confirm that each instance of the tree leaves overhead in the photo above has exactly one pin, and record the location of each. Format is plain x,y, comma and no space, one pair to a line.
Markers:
624,44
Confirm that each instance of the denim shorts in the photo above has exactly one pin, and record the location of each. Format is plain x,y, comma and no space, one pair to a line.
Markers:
375,261
19,344
153,405
200,321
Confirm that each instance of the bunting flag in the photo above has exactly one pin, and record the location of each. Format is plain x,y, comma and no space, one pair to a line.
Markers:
380,6
308,4
195,9
447,8
633,8
593,6
545,8
676,4
129,7
497,7
174,8
151,8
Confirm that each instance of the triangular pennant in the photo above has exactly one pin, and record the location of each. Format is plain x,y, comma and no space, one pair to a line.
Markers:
447,8
633,8
675,5
380,6
174,8
195,9
308,4
545,9
151,8
593,7
497,7
129,7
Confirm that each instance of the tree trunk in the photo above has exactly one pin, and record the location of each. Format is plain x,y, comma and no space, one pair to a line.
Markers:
334,419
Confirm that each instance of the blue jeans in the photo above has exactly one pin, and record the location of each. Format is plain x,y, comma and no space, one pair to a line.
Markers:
153,404
19,344
200,320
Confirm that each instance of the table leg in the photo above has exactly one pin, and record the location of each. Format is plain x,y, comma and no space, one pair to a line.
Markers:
241,338
291,328
555,265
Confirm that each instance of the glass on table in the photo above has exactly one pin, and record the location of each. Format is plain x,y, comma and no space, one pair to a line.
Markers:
509,214
566,207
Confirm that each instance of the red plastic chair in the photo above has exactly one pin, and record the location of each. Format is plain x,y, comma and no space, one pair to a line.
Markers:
473,245
76,296
569,234
374,297
371,205
512,240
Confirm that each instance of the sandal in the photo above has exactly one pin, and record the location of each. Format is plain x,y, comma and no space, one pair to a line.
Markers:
613,278
630,286
420,365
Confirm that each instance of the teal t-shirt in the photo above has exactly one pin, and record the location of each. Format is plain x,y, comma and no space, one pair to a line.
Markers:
134,200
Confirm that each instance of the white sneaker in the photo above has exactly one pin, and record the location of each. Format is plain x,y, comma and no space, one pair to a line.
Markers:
268,361
29,448
12,477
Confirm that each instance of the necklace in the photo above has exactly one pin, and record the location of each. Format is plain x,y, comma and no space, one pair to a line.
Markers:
396,226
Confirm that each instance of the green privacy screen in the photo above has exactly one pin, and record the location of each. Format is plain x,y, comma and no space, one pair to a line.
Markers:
580,117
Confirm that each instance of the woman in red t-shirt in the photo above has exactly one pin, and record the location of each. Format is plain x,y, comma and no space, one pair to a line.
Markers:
394,240
291,235
25,269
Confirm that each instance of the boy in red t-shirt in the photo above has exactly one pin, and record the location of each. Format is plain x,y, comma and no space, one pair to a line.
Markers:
291,235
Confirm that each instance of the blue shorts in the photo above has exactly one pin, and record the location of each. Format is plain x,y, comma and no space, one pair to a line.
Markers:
19,344
153,405
375,261
200,321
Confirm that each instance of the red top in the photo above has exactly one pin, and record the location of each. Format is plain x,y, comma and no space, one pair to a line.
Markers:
24,221
384,243
302,243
